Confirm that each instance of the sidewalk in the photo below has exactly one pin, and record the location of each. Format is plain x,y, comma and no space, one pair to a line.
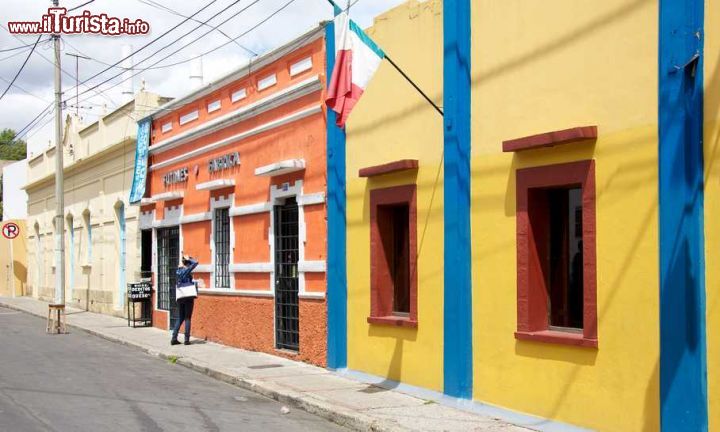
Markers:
354,404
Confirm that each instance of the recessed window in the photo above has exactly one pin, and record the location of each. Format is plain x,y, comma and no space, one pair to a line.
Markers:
214,106
238,95
167,127
556,254
267,82
222,248
393,256
187,118
301,66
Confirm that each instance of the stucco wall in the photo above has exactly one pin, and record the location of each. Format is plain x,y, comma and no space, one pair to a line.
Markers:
712,206
15,199
545,66
13,262
393,122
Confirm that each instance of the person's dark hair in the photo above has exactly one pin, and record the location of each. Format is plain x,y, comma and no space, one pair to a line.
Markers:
186,262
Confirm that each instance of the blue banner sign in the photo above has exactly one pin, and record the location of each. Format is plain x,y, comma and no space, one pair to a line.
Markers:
141,162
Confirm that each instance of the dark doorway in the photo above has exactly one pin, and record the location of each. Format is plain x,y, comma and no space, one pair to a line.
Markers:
168,258
145,254
287,311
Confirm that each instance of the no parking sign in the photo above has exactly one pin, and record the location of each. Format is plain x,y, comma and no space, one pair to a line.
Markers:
10,230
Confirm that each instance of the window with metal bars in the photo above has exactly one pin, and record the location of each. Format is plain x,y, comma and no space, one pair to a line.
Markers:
222,248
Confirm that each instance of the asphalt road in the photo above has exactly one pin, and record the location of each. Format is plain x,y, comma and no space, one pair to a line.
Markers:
79,382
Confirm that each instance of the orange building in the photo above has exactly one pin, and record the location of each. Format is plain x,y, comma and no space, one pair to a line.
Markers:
237,179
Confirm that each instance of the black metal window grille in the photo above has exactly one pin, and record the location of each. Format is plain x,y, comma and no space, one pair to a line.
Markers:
168,241
222,248
287,311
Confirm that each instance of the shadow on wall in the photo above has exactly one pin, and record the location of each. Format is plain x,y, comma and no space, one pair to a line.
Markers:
20,274
399,335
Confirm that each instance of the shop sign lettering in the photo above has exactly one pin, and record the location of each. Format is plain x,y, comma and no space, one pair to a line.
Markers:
177,176
224,162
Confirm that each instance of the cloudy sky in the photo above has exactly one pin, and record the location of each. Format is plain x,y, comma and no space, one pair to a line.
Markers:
33,90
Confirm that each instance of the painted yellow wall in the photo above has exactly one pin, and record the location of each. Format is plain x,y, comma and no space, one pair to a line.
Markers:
712,206
544,66
393,122
13,263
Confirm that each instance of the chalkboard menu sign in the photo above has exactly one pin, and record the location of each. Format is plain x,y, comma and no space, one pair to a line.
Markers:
139,290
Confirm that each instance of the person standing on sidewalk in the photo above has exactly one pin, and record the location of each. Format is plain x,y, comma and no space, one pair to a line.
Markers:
185,304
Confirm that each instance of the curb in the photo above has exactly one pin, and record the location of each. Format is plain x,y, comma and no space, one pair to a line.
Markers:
338,415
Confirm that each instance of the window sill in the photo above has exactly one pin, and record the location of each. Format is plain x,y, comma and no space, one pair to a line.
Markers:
557,337
393,321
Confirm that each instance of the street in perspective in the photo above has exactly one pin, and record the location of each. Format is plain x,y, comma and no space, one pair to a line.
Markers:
396,215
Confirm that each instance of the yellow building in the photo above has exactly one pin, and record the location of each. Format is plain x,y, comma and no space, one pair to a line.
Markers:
559,261
102,239
13,259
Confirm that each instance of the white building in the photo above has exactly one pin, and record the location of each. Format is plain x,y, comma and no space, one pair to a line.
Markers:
102,239
15,199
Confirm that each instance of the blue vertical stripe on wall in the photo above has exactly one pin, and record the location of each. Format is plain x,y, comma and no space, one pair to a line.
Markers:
683,368
336,265
457,371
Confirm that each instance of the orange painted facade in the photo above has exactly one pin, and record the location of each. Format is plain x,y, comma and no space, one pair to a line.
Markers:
279,134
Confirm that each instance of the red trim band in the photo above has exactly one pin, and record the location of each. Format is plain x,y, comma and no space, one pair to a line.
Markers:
550,139
395,166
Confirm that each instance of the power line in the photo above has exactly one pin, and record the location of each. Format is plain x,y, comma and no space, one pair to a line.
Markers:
79,6
162,7
173,42
21,68
283,7
20,47
23,90
148,44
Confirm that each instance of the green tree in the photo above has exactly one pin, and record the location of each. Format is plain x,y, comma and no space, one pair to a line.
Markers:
10,149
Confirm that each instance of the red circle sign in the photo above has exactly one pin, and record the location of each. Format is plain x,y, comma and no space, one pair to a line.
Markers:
10,230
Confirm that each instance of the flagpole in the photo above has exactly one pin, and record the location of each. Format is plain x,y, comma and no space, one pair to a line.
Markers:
412,83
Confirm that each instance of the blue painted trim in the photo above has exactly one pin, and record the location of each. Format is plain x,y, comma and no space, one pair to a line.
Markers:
457,371
336,265
683,362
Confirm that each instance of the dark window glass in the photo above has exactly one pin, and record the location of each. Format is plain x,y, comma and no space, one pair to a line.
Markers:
222,248
394,231
565,258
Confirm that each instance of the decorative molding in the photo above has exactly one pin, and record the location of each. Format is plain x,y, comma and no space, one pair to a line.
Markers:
312,266
168,196
388,168
236,75
251,267
243,135
280,168
204,268
215,184
301,66
311,199
272,101
251,209
236,293
194,218
550,139
267,82
311,295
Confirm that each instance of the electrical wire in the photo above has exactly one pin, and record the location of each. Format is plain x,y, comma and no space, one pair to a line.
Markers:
283,7
173,42
84,4
162,7
21,68
20,47
147,44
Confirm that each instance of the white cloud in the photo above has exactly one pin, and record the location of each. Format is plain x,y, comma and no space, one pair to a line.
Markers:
18,108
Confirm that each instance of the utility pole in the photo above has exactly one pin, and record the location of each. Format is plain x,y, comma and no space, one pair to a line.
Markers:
77,79
59,189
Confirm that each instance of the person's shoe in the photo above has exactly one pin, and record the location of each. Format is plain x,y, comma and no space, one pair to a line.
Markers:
187,342
174,342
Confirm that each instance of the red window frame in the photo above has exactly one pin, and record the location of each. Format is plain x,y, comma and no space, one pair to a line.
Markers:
532,295
381,292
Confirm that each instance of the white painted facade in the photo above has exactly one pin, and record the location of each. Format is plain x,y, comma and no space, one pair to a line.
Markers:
15,199
99,161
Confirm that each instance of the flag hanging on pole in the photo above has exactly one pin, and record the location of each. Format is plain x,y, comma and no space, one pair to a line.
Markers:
357,58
